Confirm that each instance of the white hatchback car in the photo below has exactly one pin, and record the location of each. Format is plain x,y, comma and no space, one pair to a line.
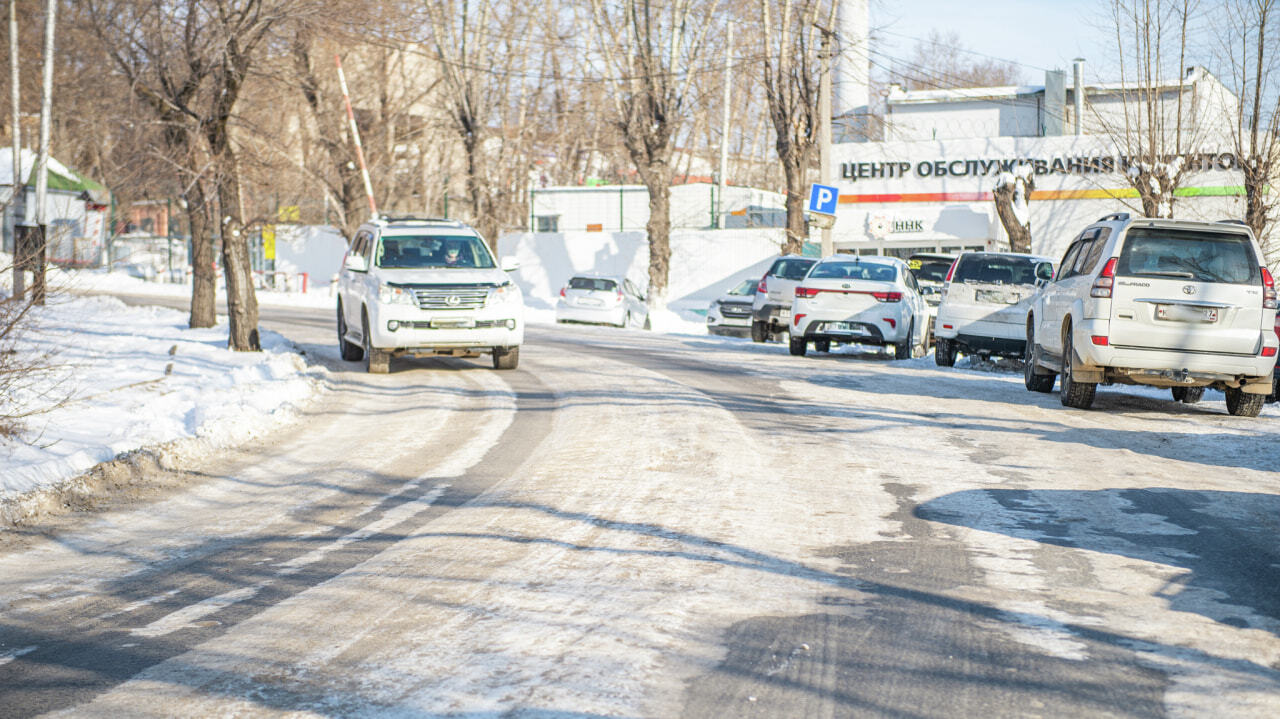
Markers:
422,286
985,299
602,300
848,299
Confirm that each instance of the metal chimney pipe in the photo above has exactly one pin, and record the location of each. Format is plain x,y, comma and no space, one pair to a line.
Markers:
1077,66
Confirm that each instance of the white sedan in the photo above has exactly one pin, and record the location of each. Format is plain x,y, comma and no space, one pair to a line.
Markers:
848,299
602,300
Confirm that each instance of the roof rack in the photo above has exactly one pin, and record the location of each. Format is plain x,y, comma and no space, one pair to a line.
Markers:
412,218
1114,216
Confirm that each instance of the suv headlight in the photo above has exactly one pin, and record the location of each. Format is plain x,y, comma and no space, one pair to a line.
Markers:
504,294
390,295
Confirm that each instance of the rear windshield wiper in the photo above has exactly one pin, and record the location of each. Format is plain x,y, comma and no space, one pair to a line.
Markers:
1184,275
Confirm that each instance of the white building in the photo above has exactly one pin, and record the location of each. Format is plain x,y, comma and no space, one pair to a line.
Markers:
929,185
619,208
75,209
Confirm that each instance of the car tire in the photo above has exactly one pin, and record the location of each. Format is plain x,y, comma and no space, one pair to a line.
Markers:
350,351
902,350
376,361
1188,395
1031,374
1244,404
1275,390
822,345
1078,395
758,331
798,346
944,352
506,357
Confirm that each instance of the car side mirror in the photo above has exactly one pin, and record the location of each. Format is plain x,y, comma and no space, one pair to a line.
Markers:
356,263
1044,272
510,264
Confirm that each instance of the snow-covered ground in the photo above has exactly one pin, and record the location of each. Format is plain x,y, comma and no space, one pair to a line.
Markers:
121,378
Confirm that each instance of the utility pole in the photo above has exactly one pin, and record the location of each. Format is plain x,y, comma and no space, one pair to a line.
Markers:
15,97
824,132
42,161
724,133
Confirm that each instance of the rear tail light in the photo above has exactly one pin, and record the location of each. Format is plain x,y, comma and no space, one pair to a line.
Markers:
807,292
1268,351
562,292
951,272
763,287
1268,290
1100,340
1102,286
619,295
887,296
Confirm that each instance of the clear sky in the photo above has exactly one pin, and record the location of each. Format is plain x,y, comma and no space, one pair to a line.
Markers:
1038,34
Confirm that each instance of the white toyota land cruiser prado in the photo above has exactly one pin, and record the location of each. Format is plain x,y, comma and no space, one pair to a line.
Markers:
1168,303
425,286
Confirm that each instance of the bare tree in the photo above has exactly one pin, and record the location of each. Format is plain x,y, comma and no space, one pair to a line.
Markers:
1012,194
941,62
792,69
652,53
1250,33
1157,126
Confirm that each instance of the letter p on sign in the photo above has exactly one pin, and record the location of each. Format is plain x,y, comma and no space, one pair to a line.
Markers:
823,199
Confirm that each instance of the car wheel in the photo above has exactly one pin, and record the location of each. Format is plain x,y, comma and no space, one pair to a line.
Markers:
1244,404
822,345
1275,390
1072,393
758,331
376,361
902,350
1032,375
506,357
1188,395
799,345
350,351
944,352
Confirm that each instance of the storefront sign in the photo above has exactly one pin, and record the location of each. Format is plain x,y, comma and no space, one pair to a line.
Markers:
1104,164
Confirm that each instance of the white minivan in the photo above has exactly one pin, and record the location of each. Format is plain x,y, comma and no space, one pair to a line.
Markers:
985,299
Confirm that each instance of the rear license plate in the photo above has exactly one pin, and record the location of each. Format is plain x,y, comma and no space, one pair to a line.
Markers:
452,324
996,297
784,314
590,302
1181,313
846,327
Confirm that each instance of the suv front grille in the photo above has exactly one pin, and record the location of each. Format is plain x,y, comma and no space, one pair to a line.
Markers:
451,297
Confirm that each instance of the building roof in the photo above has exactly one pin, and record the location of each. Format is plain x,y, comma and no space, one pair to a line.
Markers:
899,96
60,176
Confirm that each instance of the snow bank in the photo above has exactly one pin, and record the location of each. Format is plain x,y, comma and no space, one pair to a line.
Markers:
704,263
124,378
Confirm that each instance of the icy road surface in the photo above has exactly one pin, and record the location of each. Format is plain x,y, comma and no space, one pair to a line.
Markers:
641,525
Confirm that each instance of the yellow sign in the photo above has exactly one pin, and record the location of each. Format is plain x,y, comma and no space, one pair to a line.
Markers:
268,242
289,213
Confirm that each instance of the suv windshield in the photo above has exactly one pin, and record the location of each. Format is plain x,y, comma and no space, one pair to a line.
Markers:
440,251
791,268
1189,255
592,283
932,269
873,271
997,269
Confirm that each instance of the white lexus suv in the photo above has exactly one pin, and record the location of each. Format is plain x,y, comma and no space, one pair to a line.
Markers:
1167,303
425,286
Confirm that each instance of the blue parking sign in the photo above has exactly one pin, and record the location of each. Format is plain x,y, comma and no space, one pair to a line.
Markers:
823,199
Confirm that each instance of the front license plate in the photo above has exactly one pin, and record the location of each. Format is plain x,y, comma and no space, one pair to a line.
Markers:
452,324
1180,313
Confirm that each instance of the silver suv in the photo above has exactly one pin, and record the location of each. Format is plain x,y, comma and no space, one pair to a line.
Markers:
771,306
425,286
1168,303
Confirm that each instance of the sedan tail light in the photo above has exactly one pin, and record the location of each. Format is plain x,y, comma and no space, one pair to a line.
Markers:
807,291
1102,286
887,296
562,292
763,287
1268,290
